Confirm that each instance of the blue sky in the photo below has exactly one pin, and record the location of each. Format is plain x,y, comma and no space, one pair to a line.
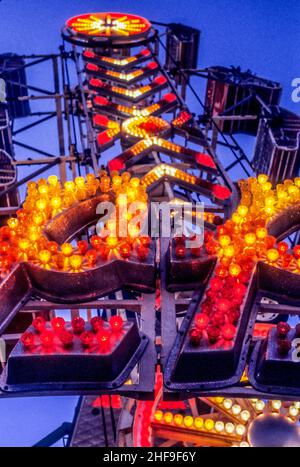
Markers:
262,35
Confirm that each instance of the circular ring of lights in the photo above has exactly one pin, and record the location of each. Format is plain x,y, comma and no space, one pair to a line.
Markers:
101,29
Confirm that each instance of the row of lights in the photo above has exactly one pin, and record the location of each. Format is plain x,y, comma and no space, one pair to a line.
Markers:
46,334
199,423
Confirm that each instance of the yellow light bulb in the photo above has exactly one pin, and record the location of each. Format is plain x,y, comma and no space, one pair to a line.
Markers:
234,270
209,424
229,251
56,202
44,256
69,186
41,204
262,178
112,242
243,210
236,218
178,419
168,417
158,415
224,240
75,262
261,233
134,182
23,244
53,180
67,249
13,223
38,219
250,239
80,182
272,255
43,190
266,187
198,422
188,421
219,400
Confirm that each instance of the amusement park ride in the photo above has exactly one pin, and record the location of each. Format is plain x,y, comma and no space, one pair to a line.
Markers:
167,344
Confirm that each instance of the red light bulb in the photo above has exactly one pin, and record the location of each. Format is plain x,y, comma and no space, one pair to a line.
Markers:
82,246
57,324
96,242
223,305
240,291
116,323
228,332
282,248
125,251
180,251
78,325
28,339
96,323
145,241
47,338
142,252
103,336
66,337
282,329
296,251
213,334
91,257
218,318
270,241
86,338
216,284
39,324
195,336
201,321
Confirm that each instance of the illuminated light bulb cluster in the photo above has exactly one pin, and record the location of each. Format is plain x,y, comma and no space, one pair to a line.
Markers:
239,244
122,76
145,127
120,62
108,24
57,332
22,239
165,170
232,408
200,424
183,118
131,93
